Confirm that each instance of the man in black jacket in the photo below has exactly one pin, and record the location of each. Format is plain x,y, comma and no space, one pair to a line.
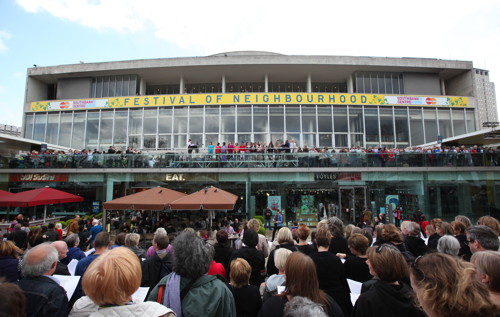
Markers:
44,295
159,265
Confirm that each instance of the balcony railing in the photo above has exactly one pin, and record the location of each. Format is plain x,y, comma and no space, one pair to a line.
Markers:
250,160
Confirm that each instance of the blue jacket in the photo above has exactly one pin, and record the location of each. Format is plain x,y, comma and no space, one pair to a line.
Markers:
73,253
44,297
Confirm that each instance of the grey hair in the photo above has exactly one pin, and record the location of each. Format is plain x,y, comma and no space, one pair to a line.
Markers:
160,231
211,251
303,307
72,240
449,245
336,227
191,256
413,229
34,269
486,237
132,239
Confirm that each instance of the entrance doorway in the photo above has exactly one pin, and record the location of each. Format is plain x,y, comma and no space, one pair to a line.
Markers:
352,201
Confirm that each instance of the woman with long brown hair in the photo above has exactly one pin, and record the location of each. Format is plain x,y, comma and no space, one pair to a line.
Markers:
301,280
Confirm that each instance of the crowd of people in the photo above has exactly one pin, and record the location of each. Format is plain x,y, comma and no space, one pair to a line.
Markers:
284,152
427,268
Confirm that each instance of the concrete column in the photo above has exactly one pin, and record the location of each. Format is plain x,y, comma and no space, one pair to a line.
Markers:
266,83
350,85
223,84
248,189
309,83
443,89
181,85
142,87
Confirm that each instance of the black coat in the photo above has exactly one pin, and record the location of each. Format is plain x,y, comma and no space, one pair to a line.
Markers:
152,269
256,260
44,297
223,254
247,300
415,245
356,269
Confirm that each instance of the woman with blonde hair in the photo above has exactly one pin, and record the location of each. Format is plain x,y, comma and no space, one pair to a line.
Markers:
110,281
253,224
9,261
487,264
285,240
447,287
270,286
246,297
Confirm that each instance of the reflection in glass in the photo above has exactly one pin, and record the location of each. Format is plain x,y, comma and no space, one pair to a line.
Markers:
65,129
106,130
164,141
310,140
292,119
444,123
371,126
243,138
52,128
150,141
180,120
214,138
91,136
196,120
308,119
135,121
180,141
212,120
78,130
430,122
325,119
325,140
276,119
471,122
416,127
134,142
228,119
262,138
40,121
357,140
340,140
150,118
340,119
402,133
386,127
355,119
120,133
244,119
458,121
165,120
260,120
28,130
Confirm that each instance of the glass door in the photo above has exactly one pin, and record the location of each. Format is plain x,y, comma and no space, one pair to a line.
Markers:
352,203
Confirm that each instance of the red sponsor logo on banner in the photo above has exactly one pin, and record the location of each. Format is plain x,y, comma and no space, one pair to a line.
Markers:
430,101
349,177
38,177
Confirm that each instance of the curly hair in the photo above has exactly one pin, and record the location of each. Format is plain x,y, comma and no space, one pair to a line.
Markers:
191,256
447,287
391,233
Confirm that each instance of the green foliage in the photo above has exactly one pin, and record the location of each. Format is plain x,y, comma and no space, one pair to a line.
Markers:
260,219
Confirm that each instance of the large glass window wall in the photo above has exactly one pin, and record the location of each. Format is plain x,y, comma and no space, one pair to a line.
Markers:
315,126
245,87
378,83
114,86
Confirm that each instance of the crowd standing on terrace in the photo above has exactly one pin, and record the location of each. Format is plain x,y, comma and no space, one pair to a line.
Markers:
284,152
418,268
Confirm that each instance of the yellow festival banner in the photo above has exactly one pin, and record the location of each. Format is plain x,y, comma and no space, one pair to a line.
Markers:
251,99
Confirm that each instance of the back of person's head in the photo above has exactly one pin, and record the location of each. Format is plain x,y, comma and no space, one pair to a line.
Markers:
120,239
484,235
192,258
388,264
95,222
413,229
368,233
465,220
160,230
112,277
323,238
434,221
391,233
348,230
102,240
222,237
303,232
491,222
240,272
132,239
72,240
161,241
250,238
51,226
447,287
488,268
359,243
211,251
13,303
39,260
302,279
449,245
458,227
303,307
253,224
404,226
284,236
280,257
336,227
445,228
8,248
